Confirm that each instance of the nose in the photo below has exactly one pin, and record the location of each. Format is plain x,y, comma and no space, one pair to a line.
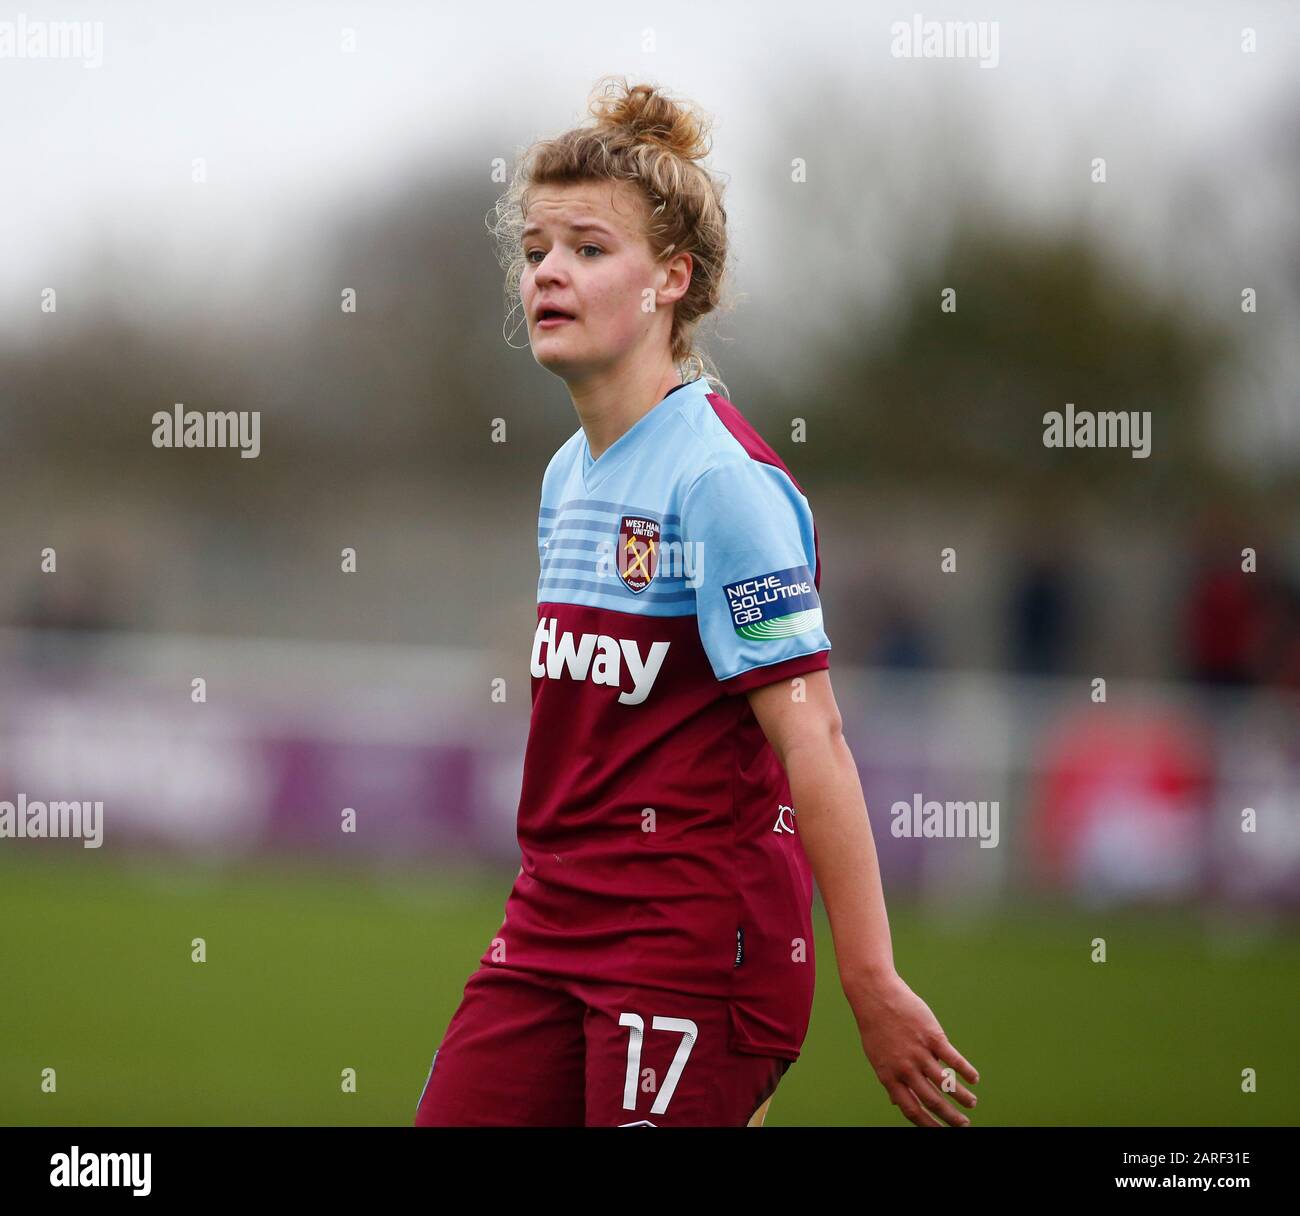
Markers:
550,269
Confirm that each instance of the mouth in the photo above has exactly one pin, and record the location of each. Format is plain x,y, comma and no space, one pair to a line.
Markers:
551,318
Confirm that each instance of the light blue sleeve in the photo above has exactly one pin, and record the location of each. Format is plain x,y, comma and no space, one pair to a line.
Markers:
751,539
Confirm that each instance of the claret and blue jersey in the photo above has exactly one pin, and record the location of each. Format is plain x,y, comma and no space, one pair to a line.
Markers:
678,571
611,536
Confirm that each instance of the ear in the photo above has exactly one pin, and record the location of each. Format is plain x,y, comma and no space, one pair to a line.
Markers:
677,278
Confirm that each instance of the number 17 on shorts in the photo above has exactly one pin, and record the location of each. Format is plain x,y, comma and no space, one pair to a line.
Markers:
673,1068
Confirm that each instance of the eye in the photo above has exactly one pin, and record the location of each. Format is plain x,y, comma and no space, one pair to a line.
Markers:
528,254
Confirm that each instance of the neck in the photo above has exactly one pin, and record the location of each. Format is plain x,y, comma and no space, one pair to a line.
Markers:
609,404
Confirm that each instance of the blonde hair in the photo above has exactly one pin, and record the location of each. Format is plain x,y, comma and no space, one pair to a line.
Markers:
642,137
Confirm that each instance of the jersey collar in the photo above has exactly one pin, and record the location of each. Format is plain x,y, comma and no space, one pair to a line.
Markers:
595,473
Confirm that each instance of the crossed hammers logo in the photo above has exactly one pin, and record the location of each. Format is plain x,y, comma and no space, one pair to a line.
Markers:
641,557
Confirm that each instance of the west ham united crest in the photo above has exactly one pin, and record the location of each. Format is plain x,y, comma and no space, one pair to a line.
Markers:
638,551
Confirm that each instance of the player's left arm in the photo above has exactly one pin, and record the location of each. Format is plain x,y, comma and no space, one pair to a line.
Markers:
900,1035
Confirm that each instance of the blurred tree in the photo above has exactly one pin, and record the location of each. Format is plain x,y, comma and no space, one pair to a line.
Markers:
1041,320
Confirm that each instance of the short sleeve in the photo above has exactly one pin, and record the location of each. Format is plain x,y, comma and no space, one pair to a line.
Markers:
751,536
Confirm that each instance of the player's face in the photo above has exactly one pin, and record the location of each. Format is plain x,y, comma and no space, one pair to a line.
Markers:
586,254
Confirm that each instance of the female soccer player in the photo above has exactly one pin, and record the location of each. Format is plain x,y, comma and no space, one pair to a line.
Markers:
684,761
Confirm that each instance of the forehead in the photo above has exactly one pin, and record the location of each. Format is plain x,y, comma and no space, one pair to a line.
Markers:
614,204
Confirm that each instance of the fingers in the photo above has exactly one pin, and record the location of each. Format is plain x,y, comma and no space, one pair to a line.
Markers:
937,1102
924,1089
950,1055
907,1102
948,1084
921,1096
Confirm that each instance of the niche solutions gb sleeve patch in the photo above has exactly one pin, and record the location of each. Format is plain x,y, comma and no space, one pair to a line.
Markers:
756,597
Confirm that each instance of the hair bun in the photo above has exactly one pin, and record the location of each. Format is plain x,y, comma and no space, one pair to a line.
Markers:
648,115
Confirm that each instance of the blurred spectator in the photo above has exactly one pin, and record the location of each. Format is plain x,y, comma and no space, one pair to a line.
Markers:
900,638
1279,650
77,598
1225,623
1040,616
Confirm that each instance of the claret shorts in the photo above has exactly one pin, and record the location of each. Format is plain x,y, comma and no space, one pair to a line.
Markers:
525,1050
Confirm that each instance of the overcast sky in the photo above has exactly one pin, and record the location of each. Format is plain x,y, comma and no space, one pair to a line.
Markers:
277,109
290,125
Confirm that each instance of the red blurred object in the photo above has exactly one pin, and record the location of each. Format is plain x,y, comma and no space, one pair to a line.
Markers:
1122,804
1225,623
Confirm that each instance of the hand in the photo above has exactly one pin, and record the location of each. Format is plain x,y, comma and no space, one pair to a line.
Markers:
909,1050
